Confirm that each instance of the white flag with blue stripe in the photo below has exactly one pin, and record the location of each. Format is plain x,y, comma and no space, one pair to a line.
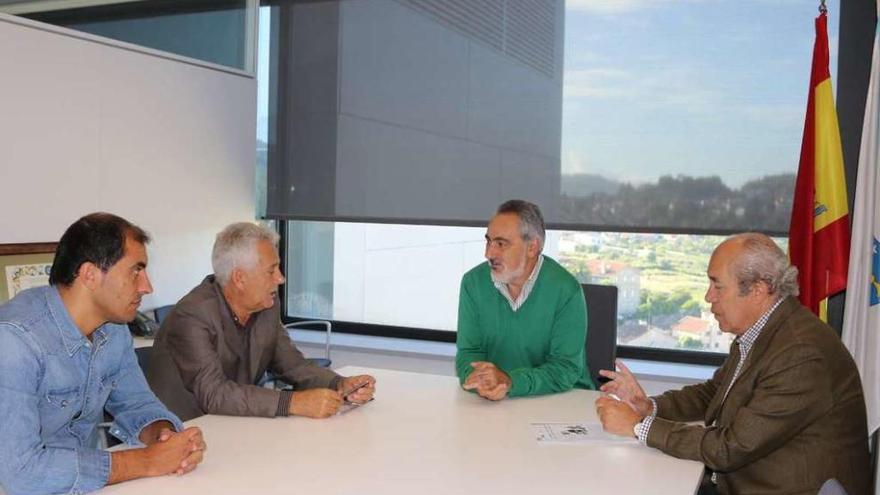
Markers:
861,322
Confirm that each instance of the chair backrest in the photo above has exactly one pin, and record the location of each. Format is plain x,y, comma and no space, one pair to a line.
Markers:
143,357
601,345
327,326
161,312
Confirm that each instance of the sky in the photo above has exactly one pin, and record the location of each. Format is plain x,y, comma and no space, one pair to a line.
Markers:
693,87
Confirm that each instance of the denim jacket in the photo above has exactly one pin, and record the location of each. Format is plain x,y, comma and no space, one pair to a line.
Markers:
54,387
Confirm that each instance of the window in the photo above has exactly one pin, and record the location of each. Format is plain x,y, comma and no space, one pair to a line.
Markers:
680,123
408,276
263,61
214,31
684,115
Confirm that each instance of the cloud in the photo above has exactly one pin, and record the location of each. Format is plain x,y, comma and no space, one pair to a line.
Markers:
596,83
677,86
773,116
608,6
673,90
613,7
654,86
575,162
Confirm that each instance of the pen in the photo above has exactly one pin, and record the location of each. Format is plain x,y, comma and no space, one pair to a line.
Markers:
362,385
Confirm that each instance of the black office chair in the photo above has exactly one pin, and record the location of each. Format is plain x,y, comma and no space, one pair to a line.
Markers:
161,312
601,344
143,356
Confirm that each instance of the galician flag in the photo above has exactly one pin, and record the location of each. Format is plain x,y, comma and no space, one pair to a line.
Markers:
861,319
818,243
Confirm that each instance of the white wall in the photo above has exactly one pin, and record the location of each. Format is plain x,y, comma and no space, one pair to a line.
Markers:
88,125
406,275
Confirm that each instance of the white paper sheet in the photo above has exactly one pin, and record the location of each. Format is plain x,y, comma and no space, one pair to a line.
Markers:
574,433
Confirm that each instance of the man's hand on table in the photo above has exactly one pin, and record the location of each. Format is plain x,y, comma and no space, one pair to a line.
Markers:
488,381
196,446
168,452
617,417
315,403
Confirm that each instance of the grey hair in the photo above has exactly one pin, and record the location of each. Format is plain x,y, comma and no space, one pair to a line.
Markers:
531,222
761,260
235,246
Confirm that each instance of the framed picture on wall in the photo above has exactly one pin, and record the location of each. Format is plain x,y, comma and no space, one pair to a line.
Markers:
23,266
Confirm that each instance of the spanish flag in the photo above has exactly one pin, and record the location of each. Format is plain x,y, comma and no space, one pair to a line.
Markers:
818,243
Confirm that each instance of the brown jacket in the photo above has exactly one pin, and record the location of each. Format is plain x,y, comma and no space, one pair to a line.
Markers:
794,418
197,366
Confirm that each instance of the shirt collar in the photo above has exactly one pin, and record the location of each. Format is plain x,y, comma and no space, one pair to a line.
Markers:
71,337
527,286
534,276
747,339
231,313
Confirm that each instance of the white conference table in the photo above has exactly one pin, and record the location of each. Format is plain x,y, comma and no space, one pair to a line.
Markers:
422,435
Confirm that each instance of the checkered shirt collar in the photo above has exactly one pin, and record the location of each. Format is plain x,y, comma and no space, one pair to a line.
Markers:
748,339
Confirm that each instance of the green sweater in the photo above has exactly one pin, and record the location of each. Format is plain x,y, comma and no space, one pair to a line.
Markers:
541,345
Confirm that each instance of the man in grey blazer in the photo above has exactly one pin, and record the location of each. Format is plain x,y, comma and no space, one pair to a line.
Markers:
783,414
219,340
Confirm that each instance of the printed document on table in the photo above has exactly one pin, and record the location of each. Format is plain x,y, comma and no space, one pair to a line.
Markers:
574,433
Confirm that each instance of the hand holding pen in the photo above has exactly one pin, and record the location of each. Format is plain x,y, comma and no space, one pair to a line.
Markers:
357,389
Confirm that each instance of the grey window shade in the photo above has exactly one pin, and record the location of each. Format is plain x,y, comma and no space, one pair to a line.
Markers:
415,110
436,111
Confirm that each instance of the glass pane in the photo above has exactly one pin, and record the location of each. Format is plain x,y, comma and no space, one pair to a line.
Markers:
209,30
310,270
685,114
264,42
661,281
409,276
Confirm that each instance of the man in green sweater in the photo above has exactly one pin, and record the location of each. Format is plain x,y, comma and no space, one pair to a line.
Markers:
521,316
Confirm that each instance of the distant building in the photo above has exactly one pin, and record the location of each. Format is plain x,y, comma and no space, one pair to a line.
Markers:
570,242
626,278
705,329
691,327
654,337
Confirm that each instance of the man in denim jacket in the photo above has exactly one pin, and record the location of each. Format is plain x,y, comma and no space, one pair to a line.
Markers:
66,357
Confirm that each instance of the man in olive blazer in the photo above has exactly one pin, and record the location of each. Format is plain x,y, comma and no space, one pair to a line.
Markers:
783,414
219,340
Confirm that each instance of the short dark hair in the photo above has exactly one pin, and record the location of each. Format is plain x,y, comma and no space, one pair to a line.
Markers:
97,238
531,221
